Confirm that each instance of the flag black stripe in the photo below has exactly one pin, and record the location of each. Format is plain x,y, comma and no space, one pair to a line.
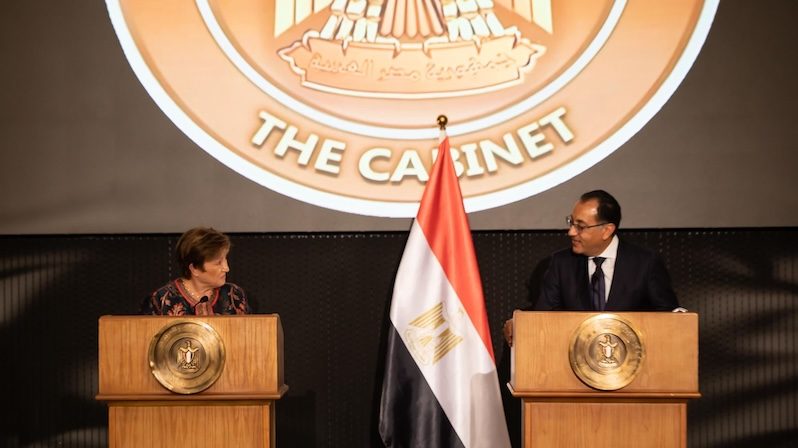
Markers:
410,415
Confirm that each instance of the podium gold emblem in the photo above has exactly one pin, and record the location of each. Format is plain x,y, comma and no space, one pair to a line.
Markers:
606,352
187,357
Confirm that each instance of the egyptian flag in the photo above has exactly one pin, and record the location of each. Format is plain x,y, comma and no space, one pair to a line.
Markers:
440,387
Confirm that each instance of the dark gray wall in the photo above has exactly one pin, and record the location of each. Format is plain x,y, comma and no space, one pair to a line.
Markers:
332,291
83,148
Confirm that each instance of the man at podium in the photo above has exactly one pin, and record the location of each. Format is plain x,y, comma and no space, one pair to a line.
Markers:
202,289
600,271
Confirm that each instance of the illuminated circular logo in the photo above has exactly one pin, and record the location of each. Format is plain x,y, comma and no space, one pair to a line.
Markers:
333,102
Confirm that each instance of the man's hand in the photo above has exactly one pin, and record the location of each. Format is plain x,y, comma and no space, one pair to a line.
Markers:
508,332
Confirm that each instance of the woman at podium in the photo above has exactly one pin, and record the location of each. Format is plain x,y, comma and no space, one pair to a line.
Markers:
202,288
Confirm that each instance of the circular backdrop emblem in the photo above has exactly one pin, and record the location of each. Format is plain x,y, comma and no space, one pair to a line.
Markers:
333,102
187,357
606,352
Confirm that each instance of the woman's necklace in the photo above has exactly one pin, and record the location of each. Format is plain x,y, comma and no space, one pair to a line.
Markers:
199,308
188,290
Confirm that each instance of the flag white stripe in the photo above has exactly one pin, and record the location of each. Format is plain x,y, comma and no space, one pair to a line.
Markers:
464,381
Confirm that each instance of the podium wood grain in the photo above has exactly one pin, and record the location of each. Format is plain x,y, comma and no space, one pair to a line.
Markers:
253,347
237,410
605,425
559,410
199,424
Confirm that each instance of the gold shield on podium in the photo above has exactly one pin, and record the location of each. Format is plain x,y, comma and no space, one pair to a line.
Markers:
186,357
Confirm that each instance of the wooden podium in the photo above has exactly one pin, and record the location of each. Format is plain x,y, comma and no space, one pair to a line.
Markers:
559,410
236,410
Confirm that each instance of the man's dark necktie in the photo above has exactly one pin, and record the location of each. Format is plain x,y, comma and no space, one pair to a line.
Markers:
597,285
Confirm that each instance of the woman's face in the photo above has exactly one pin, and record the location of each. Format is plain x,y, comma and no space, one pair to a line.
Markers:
214,271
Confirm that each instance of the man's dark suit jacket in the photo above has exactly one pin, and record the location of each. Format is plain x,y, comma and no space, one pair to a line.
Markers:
640,283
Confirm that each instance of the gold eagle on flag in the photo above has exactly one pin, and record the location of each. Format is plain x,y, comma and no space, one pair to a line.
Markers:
411,48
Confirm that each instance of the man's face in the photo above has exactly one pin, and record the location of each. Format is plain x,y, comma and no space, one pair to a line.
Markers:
591,241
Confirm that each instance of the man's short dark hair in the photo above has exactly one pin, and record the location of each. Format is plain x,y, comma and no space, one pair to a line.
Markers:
609,210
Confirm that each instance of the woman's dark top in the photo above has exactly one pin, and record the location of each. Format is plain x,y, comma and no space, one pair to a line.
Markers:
172,299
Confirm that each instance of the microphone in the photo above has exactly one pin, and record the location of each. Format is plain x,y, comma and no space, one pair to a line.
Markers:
204,299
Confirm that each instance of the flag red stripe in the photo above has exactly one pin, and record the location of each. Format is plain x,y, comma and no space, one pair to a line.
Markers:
452,246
